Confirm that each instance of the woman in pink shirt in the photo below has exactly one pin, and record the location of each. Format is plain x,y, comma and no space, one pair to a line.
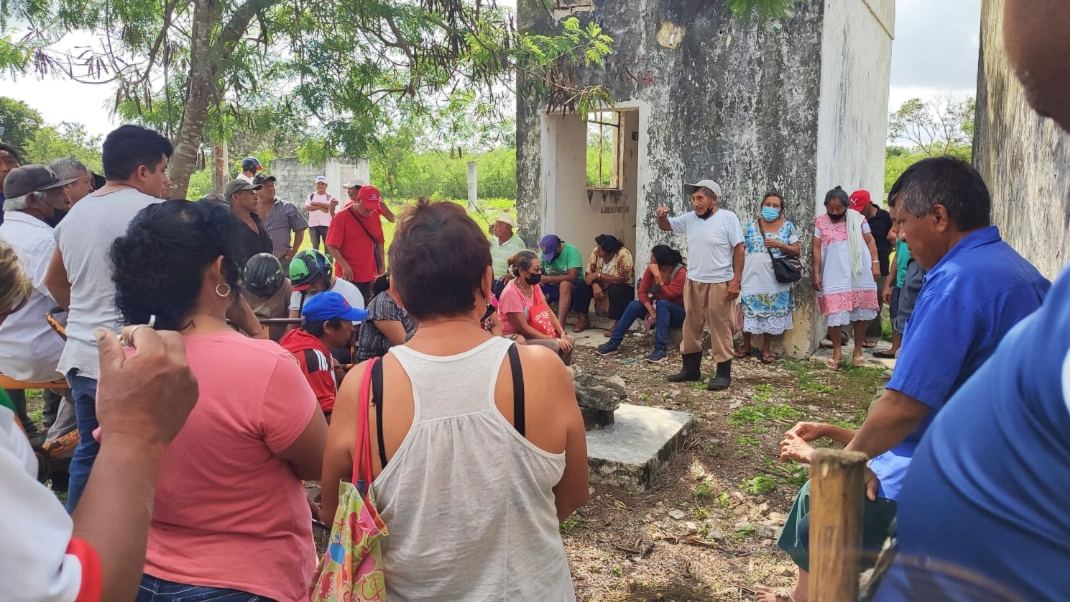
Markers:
231,521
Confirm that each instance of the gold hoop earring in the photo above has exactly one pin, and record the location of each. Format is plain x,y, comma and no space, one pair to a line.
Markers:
225,293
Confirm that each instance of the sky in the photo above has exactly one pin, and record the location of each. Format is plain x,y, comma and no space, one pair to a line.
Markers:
934,52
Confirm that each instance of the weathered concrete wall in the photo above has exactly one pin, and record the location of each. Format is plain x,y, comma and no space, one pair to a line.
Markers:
297,180
1024,158
739,103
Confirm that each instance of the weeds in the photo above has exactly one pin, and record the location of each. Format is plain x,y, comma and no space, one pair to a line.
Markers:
748,441
759,485
569,523
703,490
765,412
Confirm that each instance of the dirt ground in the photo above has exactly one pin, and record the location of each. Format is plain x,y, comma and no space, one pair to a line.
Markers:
729,482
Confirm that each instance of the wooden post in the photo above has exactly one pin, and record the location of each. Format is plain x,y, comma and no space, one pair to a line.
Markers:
836,494
473,192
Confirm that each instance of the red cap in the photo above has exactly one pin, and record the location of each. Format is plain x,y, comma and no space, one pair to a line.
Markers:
369,197
859,200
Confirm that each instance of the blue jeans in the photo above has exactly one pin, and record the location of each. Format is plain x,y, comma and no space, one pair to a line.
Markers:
669,315
154,589
84,392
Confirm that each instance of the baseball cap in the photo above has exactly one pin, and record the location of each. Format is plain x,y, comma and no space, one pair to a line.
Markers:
236,186
321,179
506,219
550,241
329,305
355,183
859,200
369,197
262,178
31,178
691,189
251,164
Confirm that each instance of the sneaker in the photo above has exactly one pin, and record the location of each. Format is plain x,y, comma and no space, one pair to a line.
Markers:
657,356
610,348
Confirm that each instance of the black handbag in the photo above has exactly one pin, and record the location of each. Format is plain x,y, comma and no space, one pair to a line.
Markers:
785,269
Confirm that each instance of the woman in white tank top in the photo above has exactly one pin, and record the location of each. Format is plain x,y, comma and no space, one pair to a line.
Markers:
482,441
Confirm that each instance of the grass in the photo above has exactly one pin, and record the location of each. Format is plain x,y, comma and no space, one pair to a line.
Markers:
748,441
764,412
759,485
570,523
703,490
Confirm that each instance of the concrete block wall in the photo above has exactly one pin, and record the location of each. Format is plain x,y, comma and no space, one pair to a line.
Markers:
297,180
1024,158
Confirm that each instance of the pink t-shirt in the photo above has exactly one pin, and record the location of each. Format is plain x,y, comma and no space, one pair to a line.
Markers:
513,301
228,512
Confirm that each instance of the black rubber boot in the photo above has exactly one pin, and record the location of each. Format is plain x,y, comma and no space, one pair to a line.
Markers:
723,380
692,369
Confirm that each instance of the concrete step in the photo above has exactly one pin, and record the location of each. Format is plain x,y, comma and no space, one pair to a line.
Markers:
637,447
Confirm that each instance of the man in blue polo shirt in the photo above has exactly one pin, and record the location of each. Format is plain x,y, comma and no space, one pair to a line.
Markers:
983,511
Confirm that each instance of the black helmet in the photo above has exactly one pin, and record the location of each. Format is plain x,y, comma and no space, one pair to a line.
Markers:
251,164
306,265
263,275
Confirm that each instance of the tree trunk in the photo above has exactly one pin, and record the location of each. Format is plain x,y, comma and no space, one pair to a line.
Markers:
190,132
220,177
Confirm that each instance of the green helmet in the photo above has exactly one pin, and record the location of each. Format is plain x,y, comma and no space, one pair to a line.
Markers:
306,265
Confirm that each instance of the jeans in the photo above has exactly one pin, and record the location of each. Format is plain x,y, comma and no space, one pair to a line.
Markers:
154,589
84,391
669,315
317,234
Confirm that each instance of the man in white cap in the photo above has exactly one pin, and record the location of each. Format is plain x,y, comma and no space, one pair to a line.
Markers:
714,271
503,246
321,206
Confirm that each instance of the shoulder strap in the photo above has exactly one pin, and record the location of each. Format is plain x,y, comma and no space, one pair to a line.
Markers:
675,270
366,230
362,454
377,399
518,390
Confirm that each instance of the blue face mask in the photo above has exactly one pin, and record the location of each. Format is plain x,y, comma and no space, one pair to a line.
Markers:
770,214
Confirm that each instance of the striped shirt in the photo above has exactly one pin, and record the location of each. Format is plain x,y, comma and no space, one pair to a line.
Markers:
282,219
500,253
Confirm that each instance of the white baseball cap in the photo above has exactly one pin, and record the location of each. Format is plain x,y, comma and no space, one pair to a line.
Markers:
355,183
691,189
321,179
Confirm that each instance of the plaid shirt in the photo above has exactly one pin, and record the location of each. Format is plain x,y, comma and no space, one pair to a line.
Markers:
280,221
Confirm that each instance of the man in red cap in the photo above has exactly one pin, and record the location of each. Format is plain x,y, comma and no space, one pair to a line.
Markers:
880,224
355,238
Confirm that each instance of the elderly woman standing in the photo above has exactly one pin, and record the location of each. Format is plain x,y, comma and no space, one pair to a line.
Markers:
611,276
483,449
256,432
767,304
846,289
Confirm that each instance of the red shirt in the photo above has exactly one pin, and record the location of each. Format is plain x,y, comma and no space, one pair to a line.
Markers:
315,361
672,292
355,244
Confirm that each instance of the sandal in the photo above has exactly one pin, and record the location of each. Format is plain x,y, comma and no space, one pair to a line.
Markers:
860,361
869,344
832,364
607,333
884,355
742,354
767,358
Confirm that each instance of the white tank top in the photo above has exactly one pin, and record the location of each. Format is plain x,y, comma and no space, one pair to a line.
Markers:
468,502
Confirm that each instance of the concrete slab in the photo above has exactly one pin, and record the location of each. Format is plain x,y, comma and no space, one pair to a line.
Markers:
637,447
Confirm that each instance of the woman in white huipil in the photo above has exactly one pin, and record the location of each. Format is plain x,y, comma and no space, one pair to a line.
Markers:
483,442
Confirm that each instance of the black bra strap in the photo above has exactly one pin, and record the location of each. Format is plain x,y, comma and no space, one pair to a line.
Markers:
518,390
377,400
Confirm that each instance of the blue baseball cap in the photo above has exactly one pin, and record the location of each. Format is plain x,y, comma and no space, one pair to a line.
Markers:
329,305
549,246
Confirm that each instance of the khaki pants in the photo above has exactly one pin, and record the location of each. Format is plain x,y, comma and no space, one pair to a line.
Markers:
705,304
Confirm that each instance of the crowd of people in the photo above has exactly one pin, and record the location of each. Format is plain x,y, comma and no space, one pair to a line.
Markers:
196,431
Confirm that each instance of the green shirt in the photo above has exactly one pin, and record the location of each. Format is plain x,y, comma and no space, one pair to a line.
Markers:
902,256
569,258
500,253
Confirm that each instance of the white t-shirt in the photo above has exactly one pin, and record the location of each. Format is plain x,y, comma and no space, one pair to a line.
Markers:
242,176
316,217
342,287
710,244
42,562
29,348
84,238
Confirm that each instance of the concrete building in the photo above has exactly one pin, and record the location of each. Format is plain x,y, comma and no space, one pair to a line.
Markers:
799,106
1024,158
297,180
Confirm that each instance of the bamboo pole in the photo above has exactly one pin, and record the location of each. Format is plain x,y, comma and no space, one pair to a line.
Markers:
836,494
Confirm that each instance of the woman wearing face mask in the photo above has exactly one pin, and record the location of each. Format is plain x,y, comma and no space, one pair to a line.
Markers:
767,304
516,303
845,273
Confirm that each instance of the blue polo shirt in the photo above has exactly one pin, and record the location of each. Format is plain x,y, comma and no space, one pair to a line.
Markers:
969,301
986,496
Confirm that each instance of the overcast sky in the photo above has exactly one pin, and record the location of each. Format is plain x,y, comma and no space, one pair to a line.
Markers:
935,51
